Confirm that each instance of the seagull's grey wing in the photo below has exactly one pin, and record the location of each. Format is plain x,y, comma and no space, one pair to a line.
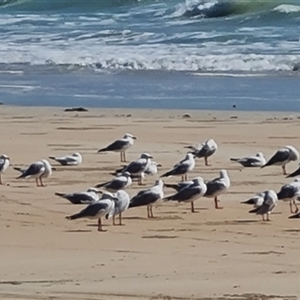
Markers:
142,199
280,156
136,166
205,151
66,160
261,210
249,161
33,169
180,169
213,187
295,173
116,184
91,210
115,146
77,198
179,186
287,192
185,194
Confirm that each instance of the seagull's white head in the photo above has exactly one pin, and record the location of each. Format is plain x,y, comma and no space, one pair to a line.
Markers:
122,195
146,155
76,154
198,180
48,168
129,136
211,144
190,156
154,163
259,154
223,174
294,154
159,182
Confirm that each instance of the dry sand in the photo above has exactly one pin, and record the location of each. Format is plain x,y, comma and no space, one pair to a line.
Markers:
225,254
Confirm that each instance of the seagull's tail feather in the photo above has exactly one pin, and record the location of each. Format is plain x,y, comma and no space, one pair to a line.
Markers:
102,150
296,216
191,148
294,174
23,175
169,173
250,202
134,202
100,185
18,169
74,217
60,195
172,186
253,211
234,159
169,198
52,157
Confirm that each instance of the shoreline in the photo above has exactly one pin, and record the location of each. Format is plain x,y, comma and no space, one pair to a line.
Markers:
153,112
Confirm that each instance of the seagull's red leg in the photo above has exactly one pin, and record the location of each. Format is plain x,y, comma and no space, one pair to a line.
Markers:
284,170
100,226
192,207
217,203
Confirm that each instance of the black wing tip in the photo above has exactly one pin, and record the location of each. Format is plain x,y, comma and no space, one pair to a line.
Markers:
252,211
69,218
250,202
59,194
233,159
296,216
102,150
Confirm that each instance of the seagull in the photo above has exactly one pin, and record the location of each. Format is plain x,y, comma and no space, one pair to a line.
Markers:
120,145
257,200
295,173
182,168
290,192
122,201
150,171
96,210
138,167
148,197
4,164
217,187
205,149
190,193
269,203
74,159
282,157
91,195
119,183
251,161
38,170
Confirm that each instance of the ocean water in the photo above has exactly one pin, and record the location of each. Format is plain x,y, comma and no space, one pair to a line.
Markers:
194,54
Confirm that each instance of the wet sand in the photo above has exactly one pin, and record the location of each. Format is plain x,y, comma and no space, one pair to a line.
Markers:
224,254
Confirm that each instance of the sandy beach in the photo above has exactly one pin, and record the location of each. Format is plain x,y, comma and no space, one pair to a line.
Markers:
212,254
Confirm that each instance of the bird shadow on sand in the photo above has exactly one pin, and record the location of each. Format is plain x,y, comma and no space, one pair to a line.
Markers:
233,222
292,230
78,230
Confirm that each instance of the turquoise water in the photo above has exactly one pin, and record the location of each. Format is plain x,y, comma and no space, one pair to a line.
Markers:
211,53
